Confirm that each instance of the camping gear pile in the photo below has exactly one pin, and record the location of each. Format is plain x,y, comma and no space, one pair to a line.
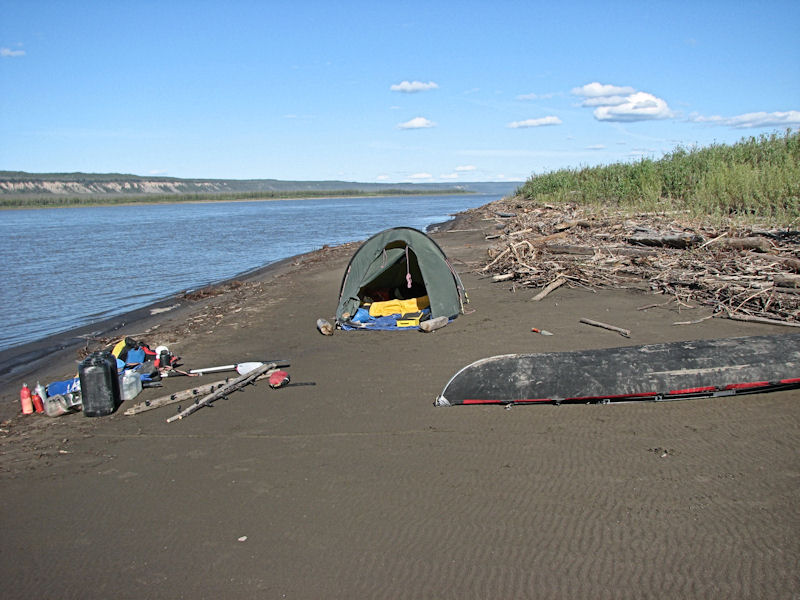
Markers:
398,279
105,379
120,372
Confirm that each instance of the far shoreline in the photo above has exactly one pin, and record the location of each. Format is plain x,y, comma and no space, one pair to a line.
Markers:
143,201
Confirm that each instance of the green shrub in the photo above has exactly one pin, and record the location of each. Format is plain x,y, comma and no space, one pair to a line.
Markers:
756,178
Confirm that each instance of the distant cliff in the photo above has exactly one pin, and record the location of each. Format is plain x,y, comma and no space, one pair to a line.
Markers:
20,184
87,187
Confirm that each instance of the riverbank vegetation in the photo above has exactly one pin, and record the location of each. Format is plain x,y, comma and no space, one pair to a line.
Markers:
755,179
55,201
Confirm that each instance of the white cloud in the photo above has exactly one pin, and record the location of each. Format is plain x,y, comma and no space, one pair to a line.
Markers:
640,106
752,120
622,103
599,90
9,53
449,176
417,123
382,177
550,120
421,176
714,119
411,87
605,101
466,168
534,96
596,147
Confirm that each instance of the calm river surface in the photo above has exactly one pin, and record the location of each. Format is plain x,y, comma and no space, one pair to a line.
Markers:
67,267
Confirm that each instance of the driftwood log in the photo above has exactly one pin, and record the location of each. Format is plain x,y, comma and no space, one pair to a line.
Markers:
234,385
564,225
787,280
759,244
668,240
188,394
570,249
754,319
619,330
791,263
550,287
177,397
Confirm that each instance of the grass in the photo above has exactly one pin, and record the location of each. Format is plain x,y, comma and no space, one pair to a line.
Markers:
755,179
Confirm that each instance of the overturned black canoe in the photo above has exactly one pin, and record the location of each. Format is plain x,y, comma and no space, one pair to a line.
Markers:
693,369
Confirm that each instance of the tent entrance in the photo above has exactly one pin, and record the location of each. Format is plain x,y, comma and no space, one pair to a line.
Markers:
395,276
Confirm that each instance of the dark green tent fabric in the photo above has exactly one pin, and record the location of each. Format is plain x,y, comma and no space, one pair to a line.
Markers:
386,259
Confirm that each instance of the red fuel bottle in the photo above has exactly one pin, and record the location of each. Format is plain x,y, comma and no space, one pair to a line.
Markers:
38,405
25,400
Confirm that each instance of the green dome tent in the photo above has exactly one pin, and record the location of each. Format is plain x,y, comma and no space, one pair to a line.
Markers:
406,263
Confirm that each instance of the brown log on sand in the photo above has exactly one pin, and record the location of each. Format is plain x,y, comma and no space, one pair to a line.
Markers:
757,319
550,287
497,258
668,240
236,384
571,249
791,263
619,330
757,243
788,280
176,397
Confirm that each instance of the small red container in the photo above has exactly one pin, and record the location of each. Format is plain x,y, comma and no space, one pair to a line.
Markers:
37,402
25,400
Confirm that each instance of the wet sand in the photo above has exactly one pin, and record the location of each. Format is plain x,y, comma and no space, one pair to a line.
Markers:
358,487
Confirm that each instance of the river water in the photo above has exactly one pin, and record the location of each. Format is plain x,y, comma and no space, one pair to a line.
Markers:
68,267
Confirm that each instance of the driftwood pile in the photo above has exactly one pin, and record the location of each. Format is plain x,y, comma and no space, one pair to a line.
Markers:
741,272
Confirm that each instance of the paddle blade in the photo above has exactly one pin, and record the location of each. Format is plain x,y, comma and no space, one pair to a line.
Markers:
245,367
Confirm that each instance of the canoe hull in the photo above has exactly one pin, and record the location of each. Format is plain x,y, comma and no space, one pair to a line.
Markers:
689,369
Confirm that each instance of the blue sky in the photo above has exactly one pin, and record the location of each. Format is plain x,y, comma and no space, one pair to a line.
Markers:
385,91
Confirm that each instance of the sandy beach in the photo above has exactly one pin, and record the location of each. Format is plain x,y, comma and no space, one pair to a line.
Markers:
358,487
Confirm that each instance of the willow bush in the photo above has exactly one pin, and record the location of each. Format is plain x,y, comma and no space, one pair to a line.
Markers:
755,179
